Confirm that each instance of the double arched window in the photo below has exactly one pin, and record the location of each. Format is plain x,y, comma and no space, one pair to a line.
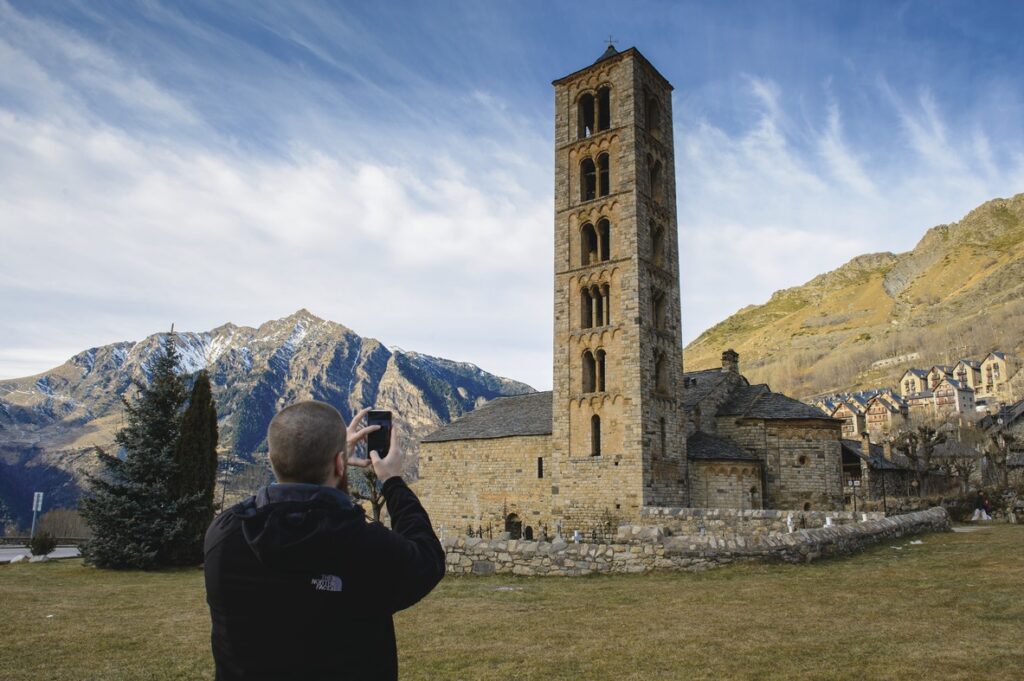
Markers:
593,371
594,243
594,178
595,304
594,113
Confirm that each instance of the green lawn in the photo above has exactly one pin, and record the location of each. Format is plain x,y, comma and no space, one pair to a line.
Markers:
950,608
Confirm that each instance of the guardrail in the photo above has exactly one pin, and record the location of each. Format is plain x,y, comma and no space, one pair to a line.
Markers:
61,541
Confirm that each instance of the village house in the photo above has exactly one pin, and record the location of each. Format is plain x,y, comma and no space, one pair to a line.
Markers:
913,381
953,397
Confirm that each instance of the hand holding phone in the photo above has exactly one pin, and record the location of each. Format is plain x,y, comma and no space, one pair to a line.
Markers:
379,440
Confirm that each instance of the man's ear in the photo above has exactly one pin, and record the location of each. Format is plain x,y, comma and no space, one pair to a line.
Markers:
340,463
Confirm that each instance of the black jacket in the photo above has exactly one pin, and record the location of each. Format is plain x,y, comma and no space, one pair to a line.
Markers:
300,586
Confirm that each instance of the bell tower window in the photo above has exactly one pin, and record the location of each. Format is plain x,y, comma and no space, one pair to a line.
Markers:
585,117
661,374
657,245
652,114
604,230
589,245
600,371
602,165
604,108
595,435
588,180
654,177
589,372
586,309
658,309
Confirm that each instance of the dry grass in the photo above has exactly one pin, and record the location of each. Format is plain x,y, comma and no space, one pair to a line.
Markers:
951,608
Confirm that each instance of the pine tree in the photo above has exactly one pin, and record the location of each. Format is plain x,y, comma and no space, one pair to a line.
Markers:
195,471
133,516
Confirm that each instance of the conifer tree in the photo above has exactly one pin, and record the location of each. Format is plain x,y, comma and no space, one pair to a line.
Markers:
195,471
133,515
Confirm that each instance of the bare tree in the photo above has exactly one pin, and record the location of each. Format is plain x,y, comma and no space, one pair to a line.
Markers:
365,485
917,441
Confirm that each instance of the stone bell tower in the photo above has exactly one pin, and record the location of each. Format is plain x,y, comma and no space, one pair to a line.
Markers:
618,429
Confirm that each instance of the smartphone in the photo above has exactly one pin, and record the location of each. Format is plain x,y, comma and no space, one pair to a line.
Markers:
379,440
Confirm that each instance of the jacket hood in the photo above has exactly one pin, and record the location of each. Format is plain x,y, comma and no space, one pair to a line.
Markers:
290,526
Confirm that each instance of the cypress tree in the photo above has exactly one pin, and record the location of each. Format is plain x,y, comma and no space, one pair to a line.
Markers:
195,471
133,516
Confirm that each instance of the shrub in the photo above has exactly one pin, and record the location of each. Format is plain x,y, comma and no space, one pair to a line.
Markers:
42,544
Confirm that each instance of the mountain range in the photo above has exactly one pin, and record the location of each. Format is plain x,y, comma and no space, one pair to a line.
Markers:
959,293
52,423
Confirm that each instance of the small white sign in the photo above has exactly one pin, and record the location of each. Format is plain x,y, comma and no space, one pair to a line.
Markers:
37,501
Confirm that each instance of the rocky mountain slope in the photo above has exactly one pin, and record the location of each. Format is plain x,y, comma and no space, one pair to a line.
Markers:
957,294
50,424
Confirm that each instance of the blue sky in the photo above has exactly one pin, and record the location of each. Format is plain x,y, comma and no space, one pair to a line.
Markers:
235,161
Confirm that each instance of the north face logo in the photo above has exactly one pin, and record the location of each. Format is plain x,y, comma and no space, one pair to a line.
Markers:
326,583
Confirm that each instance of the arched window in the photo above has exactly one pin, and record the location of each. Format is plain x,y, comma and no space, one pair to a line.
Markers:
755,501
606,293
658,244
585,117
600,371
658,308
652,114
586,309
595,435
599,301
657,190
604,232
589,372
604,108
589,245
588,180
661,432
603,178
660,374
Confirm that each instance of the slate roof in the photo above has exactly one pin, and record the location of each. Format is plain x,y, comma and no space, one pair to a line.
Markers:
973,363
758,402
962,387
698,384
920,373
707,447
502,417
877,459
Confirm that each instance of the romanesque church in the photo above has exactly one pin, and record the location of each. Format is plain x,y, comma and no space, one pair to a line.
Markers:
624,427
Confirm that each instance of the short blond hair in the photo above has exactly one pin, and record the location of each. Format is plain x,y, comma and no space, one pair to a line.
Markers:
304,439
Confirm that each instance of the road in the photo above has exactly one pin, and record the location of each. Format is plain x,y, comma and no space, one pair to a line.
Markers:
7,553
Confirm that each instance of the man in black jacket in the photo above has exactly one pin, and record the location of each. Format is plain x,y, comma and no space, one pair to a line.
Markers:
299,584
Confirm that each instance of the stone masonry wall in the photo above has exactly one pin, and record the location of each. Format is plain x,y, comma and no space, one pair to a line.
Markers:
802,459
725,522
725,484
479,482
468,556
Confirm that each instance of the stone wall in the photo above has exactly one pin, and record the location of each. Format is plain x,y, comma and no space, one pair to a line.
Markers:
803,462
725,484
722,522
478,483
467,556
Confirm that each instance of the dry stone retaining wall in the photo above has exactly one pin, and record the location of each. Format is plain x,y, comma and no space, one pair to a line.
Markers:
729,521
467,556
